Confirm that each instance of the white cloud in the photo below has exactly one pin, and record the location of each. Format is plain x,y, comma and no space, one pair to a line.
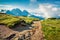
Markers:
47,10
49,6
7,7
54,9
10,7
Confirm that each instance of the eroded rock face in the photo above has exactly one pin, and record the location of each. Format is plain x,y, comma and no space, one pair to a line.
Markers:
5,32
34,33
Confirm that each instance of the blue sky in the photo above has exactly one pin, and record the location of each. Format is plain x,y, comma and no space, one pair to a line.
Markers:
39,7
15,2
26,3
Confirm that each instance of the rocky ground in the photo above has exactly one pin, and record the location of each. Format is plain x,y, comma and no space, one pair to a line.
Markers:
33,32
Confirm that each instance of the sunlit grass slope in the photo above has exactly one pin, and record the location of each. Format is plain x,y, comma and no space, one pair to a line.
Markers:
51,29
10,20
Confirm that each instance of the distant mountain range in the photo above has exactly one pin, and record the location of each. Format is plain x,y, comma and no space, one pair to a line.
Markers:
18,12
40,17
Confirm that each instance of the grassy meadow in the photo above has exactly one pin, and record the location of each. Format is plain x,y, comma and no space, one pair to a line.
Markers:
10,20
51,29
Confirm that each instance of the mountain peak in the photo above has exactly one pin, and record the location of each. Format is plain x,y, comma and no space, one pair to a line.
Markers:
18,12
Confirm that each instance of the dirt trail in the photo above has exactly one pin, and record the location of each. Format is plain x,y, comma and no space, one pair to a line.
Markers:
38,31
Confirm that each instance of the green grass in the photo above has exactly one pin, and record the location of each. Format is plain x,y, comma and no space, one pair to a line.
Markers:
10,20
28,19
51,29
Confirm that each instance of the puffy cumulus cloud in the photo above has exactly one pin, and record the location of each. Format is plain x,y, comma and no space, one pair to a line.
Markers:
47,10
54,9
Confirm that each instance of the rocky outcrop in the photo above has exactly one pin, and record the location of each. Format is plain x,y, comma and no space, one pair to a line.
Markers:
6,32
35,33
